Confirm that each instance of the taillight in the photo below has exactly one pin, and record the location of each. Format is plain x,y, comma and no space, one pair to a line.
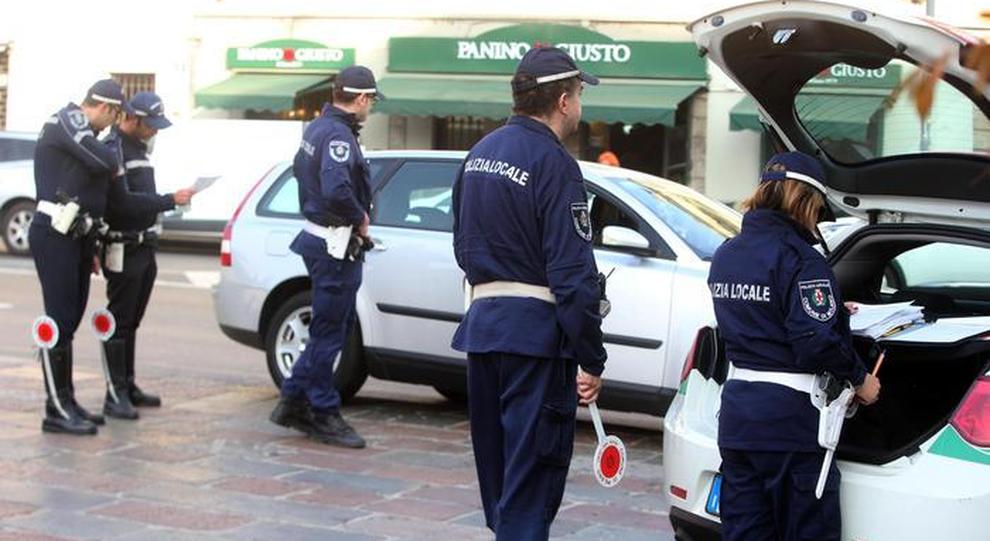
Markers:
226,257
972,419
689,360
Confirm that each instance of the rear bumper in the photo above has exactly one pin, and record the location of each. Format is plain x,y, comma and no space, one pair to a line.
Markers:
241,336
690,527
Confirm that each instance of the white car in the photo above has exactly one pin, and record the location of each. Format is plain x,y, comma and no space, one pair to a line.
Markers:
657,235
16,189
916,465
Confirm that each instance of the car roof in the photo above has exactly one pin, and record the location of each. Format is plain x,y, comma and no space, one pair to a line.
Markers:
23,135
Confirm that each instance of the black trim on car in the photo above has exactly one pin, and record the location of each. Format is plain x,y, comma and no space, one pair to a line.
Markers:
632,341
451,317
243,336
691,527
451,373
422,313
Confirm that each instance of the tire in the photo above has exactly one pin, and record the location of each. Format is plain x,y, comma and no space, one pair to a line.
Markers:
286,336
15,223
457,396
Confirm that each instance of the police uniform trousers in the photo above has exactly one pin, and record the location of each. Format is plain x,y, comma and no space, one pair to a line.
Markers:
335,285
128,291
64,265
522,428
770,495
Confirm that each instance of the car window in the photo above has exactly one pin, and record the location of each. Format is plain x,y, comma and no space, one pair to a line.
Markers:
418,196
703,224
16,149
604,212
282,198
938,265
859,114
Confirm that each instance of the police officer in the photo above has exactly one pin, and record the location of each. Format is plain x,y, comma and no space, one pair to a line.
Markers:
780,313
522,235
72,173
129,248
335,197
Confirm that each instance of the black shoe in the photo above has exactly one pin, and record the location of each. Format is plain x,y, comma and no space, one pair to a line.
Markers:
60,415
142,399
333,429
138,397
292,413
117,403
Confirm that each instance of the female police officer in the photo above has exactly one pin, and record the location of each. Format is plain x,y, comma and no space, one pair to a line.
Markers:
780,314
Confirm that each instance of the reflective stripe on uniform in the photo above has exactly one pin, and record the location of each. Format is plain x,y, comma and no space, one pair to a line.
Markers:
136,164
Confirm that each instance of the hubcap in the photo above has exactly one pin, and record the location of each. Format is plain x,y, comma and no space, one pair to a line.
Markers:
16,235
293,334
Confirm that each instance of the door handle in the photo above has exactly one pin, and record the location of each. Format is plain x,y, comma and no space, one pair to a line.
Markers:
379,245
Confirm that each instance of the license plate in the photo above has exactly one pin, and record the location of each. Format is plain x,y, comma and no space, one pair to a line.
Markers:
714,496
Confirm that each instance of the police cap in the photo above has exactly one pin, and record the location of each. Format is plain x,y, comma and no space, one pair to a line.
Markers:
802,168
357,80
108,91
546,65
148,107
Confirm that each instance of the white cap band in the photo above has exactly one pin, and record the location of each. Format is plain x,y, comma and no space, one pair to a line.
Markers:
104,99
557,76
353,90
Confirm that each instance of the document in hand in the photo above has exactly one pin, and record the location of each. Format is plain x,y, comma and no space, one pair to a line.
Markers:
877,320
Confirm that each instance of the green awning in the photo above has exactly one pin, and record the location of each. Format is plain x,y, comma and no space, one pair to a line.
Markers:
825,116
648,103
259,91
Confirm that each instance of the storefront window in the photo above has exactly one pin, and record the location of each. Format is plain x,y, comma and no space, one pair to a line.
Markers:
656,149
132,83
461,132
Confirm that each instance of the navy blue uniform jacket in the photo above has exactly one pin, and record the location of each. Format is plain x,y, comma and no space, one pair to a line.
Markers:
521,215
778,309
333,176
70,158
134,203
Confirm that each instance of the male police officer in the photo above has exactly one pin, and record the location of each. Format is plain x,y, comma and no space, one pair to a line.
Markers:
72,173
129,249
522,234
335,197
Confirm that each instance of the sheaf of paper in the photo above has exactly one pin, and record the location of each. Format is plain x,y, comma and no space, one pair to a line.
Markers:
203,183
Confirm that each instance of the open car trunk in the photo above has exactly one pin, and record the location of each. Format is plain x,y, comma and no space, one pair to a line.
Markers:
922,383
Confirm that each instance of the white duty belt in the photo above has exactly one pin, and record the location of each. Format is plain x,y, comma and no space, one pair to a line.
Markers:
506,289
803,383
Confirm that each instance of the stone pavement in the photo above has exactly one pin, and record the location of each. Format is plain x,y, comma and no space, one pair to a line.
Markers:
209,466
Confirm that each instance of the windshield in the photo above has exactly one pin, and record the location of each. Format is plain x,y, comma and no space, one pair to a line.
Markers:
859,114
702,223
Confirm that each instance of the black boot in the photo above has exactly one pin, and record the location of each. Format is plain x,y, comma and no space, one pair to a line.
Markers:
60,417
117,403
94,418
292,413
138,397
331,428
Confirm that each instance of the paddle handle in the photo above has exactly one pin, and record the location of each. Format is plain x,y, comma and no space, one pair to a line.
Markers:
596,418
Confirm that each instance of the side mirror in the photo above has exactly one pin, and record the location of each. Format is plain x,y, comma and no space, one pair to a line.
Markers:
623,237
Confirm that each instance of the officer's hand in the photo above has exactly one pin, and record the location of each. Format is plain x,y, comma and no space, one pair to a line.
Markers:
183,196
96,265
851,307
588,387
869,391
363,228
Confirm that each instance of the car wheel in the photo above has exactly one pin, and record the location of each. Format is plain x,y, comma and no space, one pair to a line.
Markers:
458,396
16,222
286,339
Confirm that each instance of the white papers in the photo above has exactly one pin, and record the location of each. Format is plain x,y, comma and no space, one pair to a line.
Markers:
203,183
943,331
877,320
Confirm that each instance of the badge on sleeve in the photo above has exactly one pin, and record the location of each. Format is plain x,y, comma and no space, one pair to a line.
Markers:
582,220
77,119
340,151
817,299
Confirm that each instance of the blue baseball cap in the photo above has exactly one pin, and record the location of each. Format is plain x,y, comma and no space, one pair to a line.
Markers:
148,107
802,168
108,91
548,64
357,80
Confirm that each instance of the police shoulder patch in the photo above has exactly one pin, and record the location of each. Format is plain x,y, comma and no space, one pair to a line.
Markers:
581,219
817,299
340,151
77,120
